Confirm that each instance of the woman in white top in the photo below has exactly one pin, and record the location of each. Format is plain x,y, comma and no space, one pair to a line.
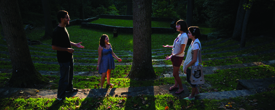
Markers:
191,58
178,54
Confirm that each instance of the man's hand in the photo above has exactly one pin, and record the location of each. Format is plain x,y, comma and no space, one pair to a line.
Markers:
70,50
79,45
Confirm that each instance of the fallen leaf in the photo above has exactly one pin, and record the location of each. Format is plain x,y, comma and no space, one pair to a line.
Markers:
166,108
228,106
37,91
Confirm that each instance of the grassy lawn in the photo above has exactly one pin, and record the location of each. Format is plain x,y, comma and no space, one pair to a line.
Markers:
129,23
90,39
159,102
221,80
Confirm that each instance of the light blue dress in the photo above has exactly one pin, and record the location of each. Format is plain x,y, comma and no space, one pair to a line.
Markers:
107,61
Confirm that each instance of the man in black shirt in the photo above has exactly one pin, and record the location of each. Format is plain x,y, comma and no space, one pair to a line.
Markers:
61,42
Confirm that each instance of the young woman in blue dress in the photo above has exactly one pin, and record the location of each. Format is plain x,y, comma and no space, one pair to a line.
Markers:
105,61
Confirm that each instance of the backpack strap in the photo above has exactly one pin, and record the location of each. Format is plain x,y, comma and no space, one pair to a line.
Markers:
199,52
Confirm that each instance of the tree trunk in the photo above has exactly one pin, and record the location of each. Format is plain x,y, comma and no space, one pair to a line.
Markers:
239,20
47,18
245,22
142,57
129,7
189,15
23,72
273,24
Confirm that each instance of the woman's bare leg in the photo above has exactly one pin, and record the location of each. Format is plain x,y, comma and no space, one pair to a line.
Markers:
103,75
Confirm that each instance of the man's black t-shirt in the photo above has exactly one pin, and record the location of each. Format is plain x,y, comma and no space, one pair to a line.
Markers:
61,38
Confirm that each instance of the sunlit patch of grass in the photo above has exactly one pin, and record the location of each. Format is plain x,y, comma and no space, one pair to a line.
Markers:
145,102
226,80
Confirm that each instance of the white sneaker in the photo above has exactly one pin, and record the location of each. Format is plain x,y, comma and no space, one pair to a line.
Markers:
60,99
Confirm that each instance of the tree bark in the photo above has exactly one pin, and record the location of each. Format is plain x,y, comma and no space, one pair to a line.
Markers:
245,22
273,24
47,18
142,57
129,7
239,20
23,72
189,15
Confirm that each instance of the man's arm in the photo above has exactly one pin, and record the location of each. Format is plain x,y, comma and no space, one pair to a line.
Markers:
70,50
76,44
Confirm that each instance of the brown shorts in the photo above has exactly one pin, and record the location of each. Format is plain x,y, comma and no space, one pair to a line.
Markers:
176,61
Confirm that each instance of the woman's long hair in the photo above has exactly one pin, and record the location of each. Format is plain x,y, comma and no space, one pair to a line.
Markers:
102,40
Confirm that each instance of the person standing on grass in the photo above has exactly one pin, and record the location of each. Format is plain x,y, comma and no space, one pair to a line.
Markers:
62,44
105,61
191,58
178,54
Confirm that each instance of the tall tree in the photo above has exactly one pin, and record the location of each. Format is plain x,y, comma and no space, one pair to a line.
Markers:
23,72
239,20
245,22
142,57
189,16
273,24
47,19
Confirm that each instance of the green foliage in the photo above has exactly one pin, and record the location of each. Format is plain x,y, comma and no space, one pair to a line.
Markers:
221,14
163,9
112,10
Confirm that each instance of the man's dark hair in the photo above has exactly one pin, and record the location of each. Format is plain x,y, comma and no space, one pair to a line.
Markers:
61,14
183,25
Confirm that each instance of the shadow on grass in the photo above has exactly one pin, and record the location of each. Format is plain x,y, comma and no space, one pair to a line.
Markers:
140,97
56,104
94,99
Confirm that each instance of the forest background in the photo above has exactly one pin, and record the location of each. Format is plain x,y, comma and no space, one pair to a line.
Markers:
220,14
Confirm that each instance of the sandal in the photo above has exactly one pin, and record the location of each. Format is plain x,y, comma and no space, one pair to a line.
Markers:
173,88
110,84
179,92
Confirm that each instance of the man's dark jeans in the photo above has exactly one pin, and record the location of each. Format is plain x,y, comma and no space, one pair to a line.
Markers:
66,77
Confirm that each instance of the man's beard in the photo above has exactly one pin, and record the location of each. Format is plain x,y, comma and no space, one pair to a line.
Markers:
67,23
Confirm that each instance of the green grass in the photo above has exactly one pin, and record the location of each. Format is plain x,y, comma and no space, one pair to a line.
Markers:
145,102
90,39
226,80
262,48
129,23
221,80
205,30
